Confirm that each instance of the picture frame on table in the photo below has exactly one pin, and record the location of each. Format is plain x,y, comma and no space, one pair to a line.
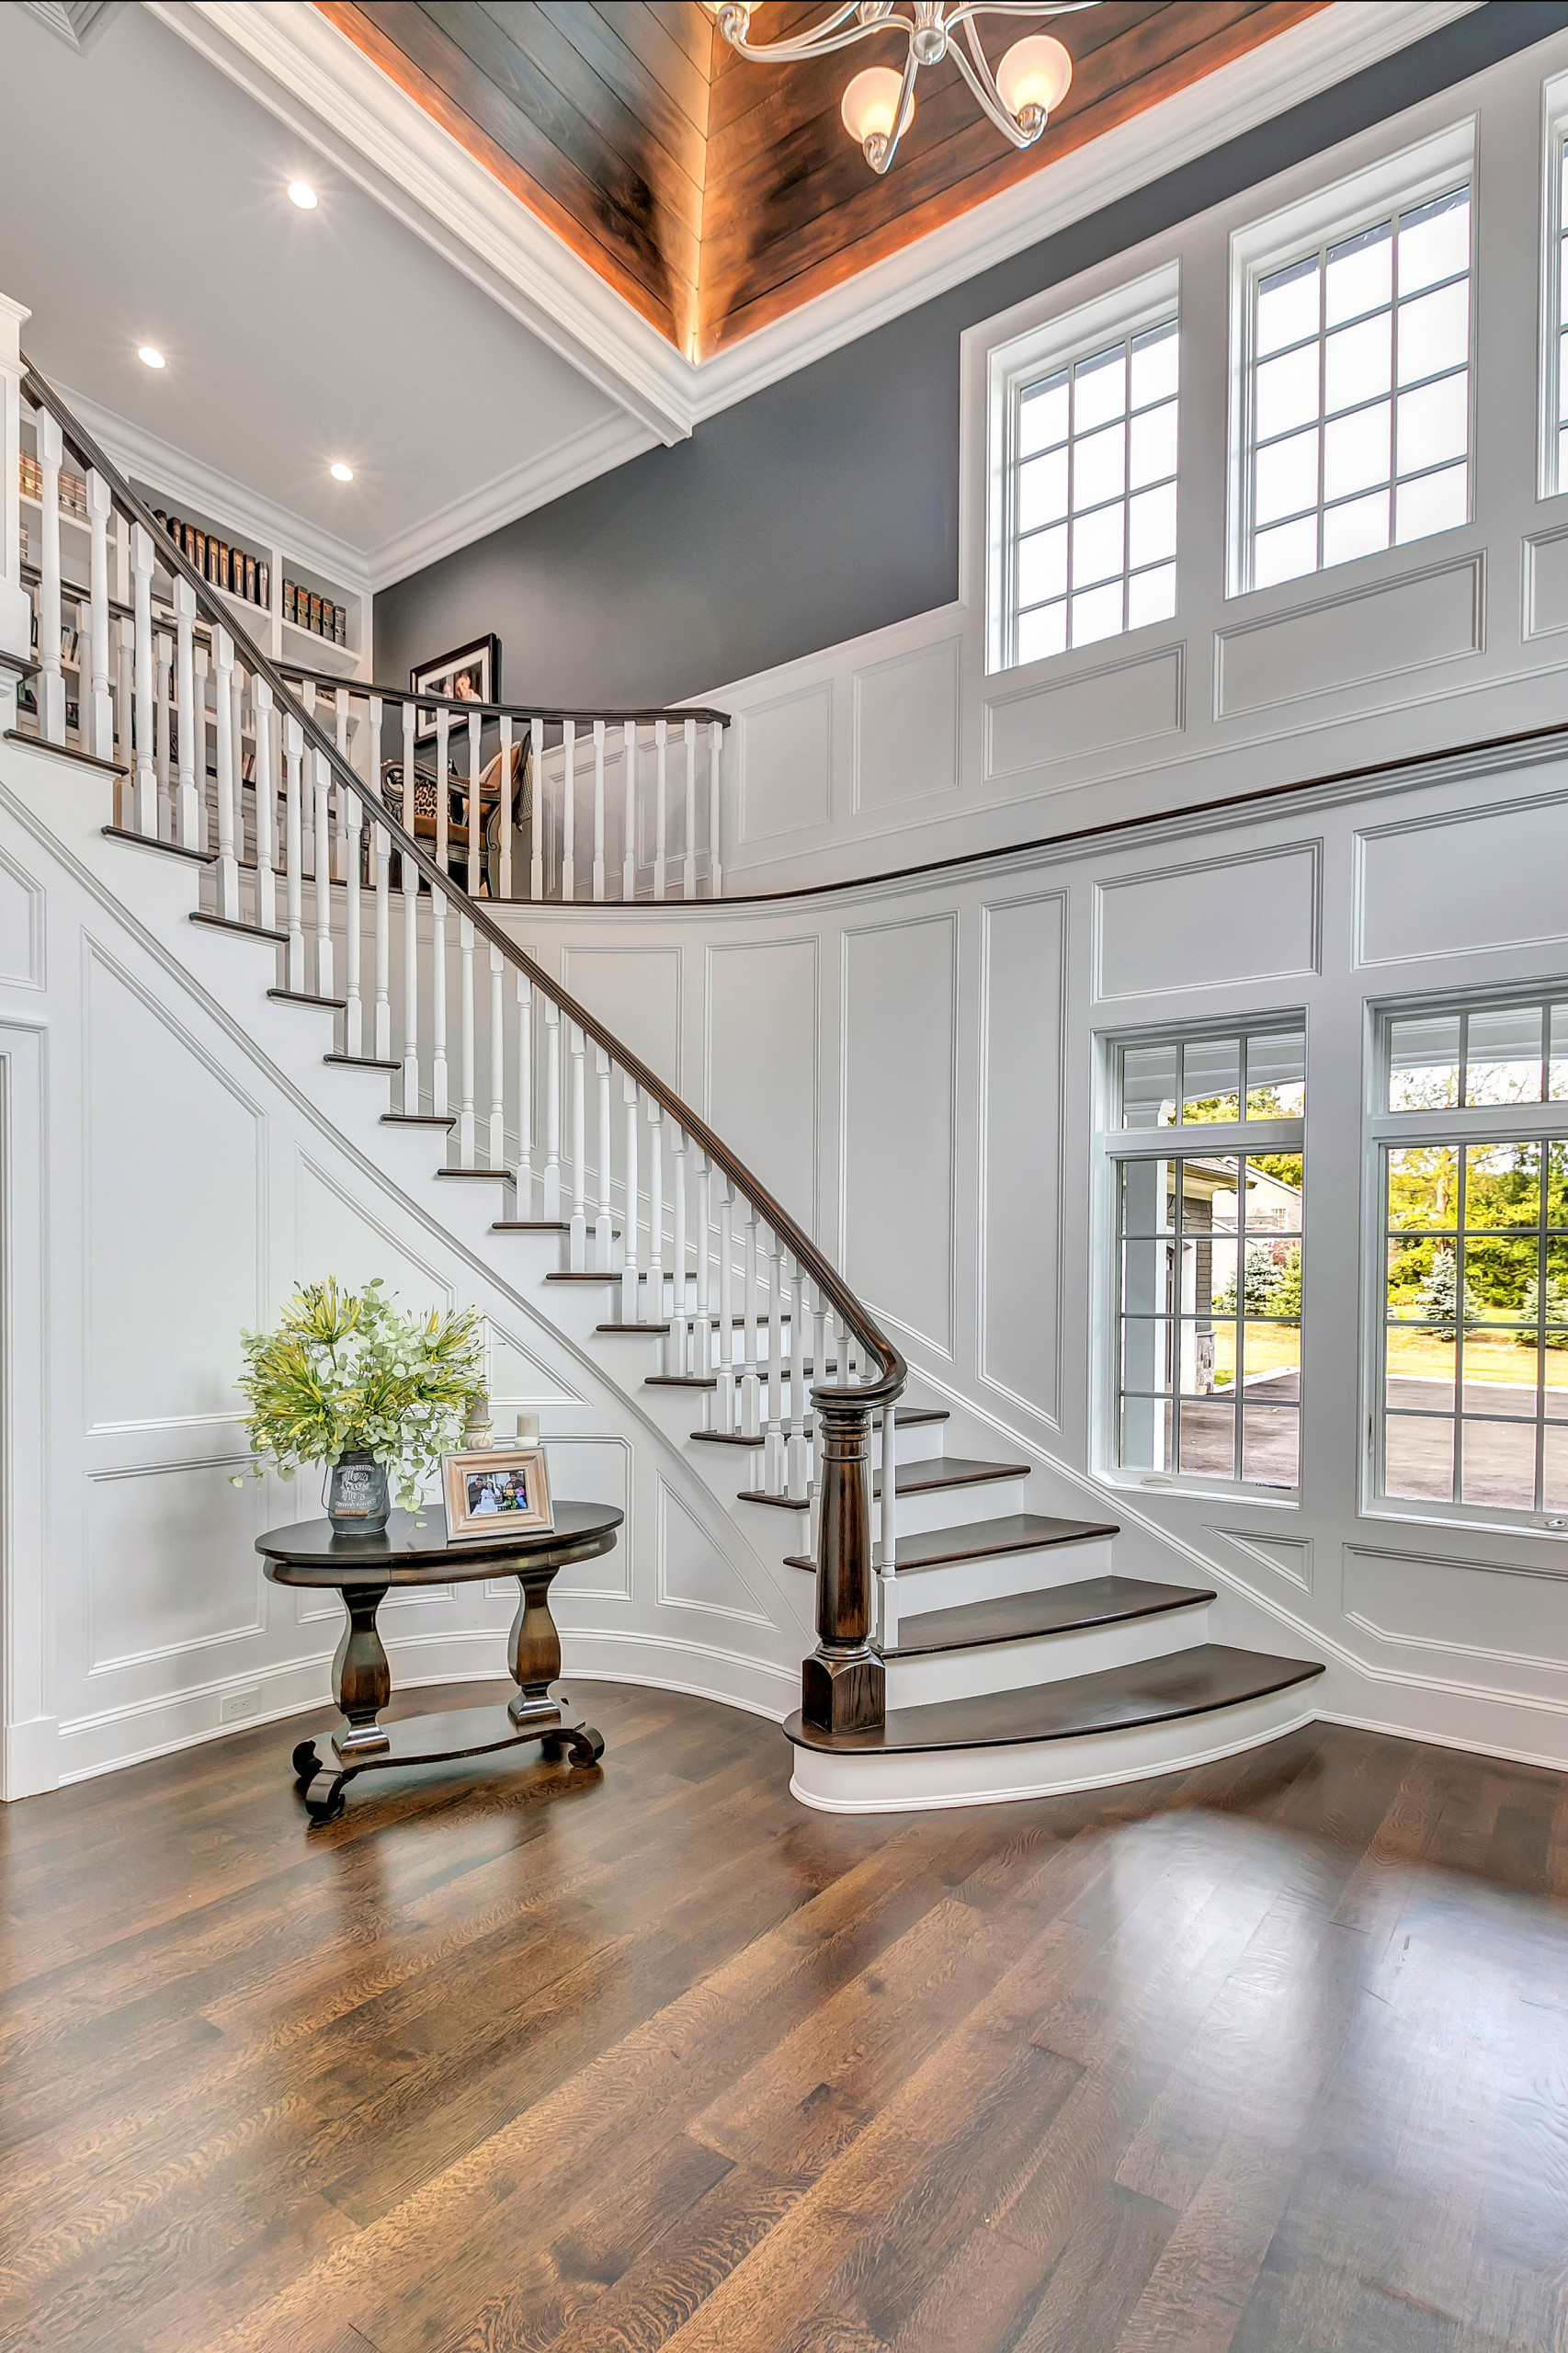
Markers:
469,673
496,1491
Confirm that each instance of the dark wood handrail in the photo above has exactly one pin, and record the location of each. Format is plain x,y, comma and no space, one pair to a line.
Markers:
866,1395
461,709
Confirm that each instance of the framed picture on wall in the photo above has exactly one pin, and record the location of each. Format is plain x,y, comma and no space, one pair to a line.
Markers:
470,672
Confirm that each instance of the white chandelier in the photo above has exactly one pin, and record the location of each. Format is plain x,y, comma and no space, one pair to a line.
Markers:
1030,81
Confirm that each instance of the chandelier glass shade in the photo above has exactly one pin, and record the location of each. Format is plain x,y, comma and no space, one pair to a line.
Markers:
1020,96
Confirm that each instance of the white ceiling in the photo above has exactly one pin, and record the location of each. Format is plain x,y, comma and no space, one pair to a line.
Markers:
143,199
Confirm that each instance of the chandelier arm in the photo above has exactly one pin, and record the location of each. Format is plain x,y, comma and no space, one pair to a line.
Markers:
967,10
820,40
886,146
989,97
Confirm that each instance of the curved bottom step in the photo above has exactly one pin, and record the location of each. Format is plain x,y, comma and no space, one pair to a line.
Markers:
1160,1717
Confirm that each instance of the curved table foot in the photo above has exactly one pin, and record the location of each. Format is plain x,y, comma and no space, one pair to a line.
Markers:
305,1762
586,1745
323,1795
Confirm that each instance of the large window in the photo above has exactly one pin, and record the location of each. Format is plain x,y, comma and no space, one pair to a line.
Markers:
1472,1143
1207,1162
1358,390
1093,502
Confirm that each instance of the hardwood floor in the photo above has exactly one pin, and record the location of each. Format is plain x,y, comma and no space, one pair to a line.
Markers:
1271,2055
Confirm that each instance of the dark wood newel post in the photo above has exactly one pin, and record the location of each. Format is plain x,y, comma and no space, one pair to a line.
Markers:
843,1685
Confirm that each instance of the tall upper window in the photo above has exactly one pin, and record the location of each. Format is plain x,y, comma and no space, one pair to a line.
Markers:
1208,1164
1358,408
1472,1143
1093,536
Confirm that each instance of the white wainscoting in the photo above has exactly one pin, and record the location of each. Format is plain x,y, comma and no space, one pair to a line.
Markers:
900,746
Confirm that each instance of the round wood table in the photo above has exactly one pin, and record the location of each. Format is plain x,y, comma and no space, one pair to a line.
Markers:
363,1569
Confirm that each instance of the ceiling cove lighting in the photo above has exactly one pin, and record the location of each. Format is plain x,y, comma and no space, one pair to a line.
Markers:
302,194
149,355
340,472
878,107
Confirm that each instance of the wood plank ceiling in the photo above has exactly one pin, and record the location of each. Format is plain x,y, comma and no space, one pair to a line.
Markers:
715,194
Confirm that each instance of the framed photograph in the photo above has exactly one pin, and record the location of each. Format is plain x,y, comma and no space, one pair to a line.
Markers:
505,1489
469,674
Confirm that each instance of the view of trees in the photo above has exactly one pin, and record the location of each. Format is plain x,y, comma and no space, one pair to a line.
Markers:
1480,1204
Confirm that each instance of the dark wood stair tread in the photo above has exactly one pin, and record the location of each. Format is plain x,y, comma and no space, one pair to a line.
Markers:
1019,1531
152,841
305,997
245,930
360,1061
917,1479
904,1416
498,1175
419,1118
41,742
1053,1609
681,1381
1116,1699
530,1225
655,1329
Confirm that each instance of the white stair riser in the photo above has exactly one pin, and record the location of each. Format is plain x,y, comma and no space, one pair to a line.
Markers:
958,1777
921,1513
1039,1658
998,1573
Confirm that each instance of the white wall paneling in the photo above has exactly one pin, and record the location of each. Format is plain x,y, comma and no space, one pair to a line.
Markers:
1452,638
1463,882
1253,916
21,928
696,1573
1023,956
763,1024
637,989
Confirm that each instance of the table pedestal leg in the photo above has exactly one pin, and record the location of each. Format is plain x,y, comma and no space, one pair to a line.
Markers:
533,1651
362,1677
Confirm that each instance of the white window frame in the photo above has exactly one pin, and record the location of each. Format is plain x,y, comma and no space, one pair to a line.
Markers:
1500,1124
1125,310
1117,1145
1553,318
1397,182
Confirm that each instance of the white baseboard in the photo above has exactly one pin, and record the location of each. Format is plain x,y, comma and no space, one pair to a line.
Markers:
31,1760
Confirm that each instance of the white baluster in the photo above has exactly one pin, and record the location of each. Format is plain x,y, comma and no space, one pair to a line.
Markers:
774,1470
162,654
52,706
438,1101
578,1046
293,857
408,876
223,711
715,752
797,1462
751,1376
688,869
629,846
339,868
146,793
630,1303
604,1241
599,808
536,767
568,809
653,1289
724,1356
307,694
381,850
465,1044
702,1349
524,1174
887,1554
237,757
100,505
185,715
353,942
550,1210
495,1154
675,1344
508,810
263,719
321,884
475,863
661,758
199,750
16,604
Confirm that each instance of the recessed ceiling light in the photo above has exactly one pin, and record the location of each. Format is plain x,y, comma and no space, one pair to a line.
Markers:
304,194
341,473
150,356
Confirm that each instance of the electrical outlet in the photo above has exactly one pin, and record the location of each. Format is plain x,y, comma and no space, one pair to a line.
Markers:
240,1704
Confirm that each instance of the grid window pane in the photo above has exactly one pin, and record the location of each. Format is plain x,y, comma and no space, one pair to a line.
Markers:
1148,1084
1277,1075
1078,450
1503,1055
1418,1459
1210,1079
1424,1063
1394,311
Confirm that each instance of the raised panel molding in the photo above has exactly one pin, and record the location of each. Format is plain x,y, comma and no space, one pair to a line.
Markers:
1023,951
1255,917
694,1573
174,1180
786,765
1459,885
763,1023
336,1235
21,926
1487,1610
591,1467
896,1121
171,1560
906,726
1129,701
636,992
1290,1557
1354,639
1546,584
518,1379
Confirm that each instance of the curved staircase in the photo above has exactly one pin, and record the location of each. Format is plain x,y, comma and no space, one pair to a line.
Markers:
968,1648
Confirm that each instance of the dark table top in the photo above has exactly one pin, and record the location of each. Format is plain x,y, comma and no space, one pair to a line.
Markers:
313,1553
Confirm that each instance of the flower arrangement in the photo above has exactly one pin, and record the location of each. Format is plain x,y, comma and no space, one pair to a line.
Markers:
345,1373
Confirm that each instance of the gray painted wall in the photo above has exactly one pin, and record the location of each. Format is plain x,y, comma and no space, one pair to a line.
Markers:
828,505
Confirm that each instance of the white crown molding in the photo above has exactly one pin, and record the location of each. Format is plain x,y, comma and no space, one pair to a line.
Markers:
139,452
299,65
595,449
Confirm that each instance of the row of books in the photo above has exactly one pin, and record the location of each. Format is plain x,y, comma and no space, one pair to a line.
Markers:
73,487
220,564
307,610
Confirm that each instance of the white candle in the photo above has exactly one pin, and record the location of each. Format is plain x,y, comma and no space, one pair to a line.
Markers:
527,1429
